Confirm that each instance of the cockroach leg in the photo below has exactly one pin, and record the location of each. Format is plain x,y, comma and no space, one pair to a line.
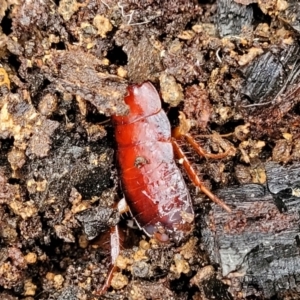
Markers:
194,177
202,152
182,131
116,241
108,280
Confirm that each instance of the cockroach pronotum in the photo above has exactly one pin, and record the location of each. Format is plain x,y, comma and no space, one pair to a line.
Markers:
152,183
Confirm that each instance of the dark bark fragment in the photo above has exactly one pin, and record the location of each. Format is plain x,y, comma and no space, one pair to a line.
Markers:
284,184
97,220
266,75
258,245
232,17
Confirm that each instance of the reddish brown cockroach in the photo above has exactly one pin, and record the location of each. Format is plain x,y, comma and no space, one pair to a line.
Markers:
152,183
